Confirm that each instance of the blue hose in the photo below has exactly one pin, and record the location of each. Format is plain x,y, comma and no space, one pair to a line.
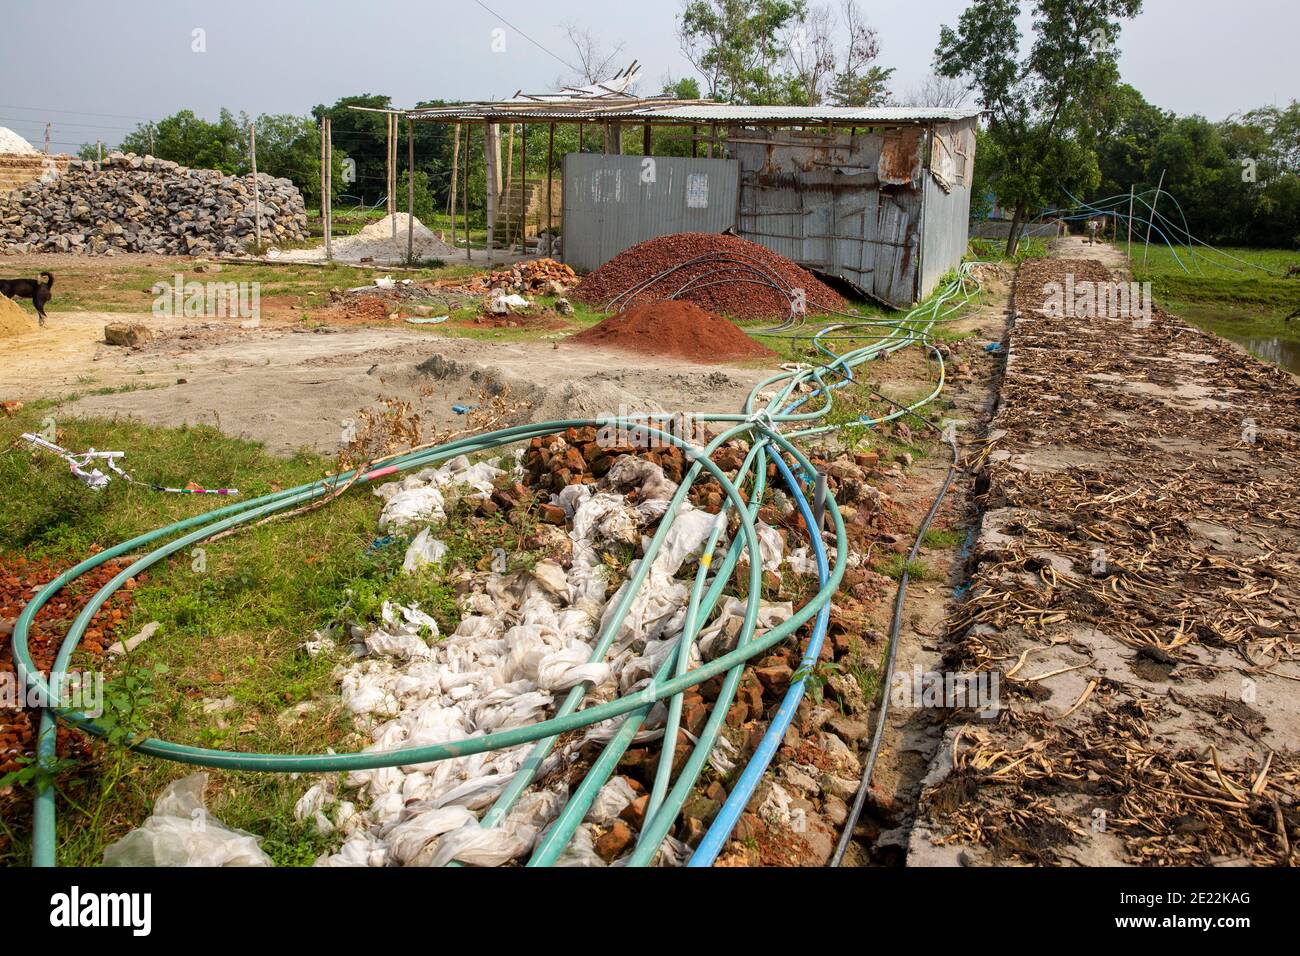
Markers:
743,788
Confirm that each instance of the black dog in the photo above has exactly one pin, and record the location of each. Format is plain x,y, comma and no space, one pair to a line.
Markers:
38,292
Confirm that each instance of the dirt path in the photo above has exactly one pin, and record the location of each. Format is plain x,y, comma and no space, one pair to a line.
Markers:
1134,589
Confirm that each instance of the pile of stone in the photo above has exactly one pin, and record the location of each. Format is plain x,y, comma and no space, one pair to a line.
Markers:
142,204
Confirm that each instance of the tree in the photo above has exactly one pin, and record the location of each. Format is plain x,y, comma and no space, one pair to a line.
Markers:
1046,106
595,59
942,92
736,45
191,141
859,82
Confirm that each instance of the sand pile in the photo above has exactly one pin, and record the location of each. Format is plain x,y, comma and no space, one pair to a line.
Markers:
674,328
376,243
730,283
13,144
14,320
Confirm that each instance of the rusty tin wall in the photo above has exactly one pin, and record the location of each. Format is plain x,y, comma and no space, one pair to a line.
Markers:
847,205
613,202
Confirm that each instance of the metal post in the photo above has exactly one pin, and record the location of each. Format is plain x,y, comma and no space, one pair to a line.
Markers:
1130,224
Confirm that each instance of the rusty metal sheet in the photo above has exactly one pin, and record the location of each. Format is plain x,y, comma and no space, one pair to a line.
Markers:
900,156
822,201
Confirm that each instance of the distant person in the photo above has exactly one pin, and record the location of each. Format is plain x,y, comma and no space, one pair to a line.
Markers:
1094,226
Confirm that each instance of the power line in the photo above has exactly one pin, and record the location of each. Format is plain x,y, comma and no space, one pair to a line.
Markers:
58,123
49,109
557,58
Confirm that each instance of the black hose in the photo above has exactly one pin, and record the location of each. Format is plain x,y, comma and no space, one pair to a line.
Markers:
895,625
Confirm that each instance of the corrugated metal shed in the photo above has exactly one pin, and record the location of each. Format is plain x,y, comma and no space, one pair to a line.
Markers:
613,202
946,219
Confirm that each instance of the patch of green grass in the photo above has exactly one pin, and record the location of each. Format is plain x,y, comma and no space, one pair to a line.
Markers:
1199,275
946,539
917,570
994,250
234,614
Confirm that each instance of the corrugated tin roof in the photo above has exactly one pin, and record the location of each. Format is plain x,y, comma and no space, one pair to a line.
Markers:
677,111
873,115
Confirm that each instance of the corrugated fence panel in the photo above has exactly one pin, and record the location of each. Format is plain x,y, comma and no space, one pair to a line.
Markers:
613,202
945,232
820,200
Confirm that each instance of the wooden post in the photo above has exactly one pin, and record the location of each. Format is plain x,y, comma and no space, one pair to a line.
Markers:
523,189
510,179
257,191
645,140
455,169
410,191
392,173
328,201
322,178
99,151
695,141
47,138
550,163
1152,221
464,193
492,161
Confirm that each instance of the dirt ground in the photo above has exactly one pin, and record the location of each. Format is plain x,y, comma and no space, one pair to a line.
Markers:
293,388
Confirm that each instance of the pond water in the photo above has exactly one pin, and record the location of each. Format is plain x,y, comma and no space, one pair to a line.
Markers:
1265,336
1271,348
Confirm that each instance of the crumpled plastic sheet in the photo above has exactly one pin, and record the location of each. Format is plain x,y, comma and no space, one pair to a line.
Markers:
423,551
181,832
422,498
523,640
612,799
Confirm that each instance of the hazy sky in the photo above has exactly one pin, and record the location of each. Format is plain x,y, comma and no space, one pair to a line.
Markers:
95,67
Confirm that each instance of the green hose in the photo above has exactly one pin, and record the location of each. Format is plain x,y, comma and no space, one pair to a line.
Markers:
670,683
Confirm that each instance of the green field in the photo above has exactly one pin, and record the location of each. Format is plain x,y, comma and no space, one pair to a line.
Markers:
1241,294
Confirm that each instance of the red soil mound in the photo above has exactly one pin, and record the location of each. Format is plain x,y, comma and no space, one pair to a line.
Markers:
731,288
676,328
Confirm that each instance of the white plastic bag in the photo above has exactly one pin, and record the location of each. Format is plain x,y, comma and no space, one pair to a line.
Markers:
181,832
424,550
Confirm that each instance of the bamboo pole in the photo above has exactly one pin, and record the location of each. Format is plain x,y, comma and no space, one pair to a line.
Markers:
464,193
392,173
492,159
455,168
523,189
328,208
550,164
410,192
257,192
